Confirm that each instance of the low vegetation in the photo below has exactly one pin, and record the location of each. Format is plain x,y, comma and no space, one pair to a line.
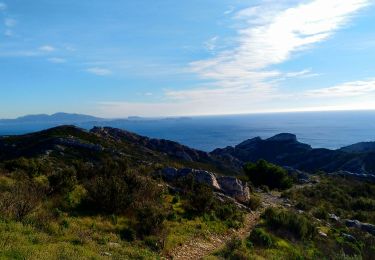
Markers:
113,208
268,174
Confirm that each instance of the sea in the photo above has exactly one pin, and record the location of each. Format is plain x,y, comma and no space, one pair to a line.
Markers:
319,129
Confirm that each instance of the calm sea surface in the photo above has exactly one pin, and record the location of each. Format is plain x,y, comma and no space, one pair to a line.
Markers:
319,129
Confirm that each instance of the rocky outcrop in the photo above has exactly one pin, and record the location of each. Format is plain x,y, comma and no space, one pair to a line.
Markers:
170,148
361,177
230,186
234,188
366,227
300,176
286,150
76,143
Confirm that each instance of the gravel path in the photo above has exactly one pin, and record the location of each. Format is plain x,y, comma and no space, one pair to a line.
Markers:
199,248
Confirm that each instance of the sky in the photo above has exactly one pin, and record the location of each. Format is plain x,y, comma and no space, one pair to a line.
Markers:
182,58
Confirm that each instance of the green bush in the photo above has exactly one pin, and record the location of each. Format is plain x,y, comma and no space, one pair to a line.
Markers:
153,243
150,220
365,204
235,250
117,192
320,213
254,202
200,199
260,237
298,225
21,200
63,181
128,234
264,173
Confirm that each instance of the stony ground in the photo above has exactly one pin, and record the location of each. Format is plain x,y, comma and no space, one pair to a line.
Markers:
199,248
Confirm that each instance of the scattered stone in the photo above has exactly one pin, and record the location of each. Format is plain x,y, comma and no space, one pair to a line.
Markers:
321,233
114,244
334,217
106,254
349,237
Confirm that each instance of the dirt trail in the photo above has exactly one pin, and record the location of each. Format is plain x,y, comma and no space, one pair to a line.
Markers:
198,248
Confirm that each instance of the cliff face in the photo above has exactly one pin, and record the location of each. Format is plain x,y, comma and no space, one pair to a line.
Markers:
286,150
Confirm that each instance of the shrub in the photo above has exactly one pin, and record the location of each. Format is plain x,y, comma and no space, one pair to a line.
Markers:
74,198
320,213
254,202
235,250
128,234
260,237
200,200
264,173
116,191
23,198
63,181
291,222
150,220
365,204
153,243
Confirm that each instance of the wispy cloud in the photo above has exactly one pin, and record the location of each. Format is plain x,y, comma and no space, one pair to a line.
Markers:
211,43
56,60
10,22
99,71
242,78
229,10
3,6
268,40
348,89
47,48
8,32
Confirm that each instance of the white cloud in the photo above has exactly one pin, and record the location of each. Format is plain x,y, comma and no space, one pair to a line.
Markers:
47,48
3,6
99,71
229,10
211,43
348,89
8,33
57,60
10,22
241,78
272,39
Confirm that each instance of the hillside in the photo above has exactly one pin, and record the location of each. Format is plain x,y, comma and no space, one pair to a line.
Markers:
69,193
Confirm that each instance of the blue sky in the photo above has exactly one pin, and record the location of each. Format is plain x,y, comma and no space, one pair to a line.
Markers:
199,57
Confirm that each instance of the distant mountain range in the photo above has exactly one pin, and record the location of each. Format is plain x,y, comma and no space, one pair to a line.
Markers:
58,118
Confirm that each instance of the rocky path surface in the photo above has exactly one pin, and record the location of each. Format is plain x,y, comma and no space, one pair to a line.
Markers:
199,247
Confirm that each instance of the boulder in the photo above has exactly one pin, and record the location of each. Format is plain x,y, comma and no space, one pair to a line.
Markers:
334,217
366,227
369,228
169,174
353,223
234,188
230,186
